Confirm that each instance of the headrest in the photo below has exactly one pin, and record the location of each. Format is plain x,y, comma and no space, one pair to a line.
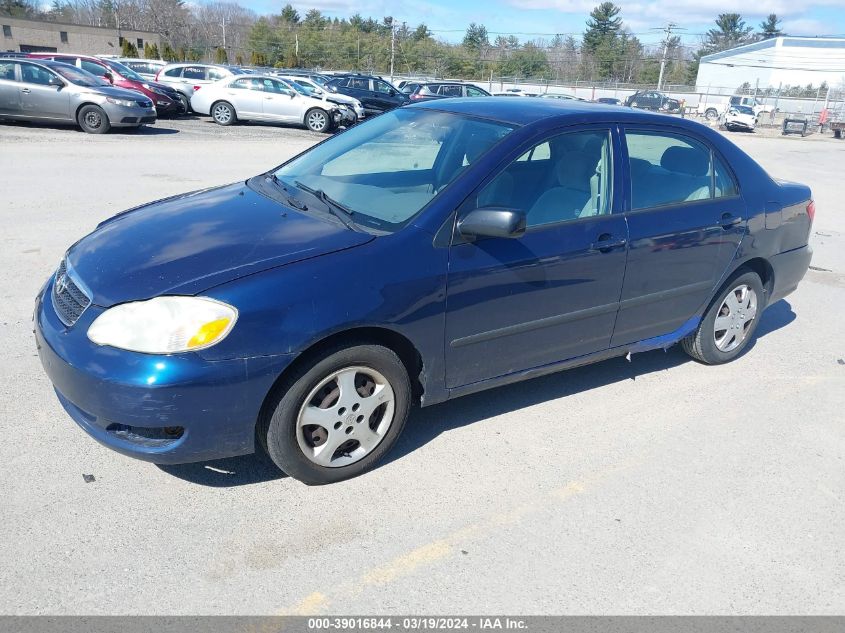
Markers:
686,160
575,168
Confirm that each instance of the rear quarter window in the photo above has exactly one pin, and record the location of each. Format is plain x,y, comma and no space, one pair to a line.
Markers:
173,72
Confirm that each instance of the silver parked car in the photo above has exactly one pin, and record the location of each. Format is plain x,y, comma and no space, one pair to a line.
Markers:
147,68
264,98
315,90
186,78
42,90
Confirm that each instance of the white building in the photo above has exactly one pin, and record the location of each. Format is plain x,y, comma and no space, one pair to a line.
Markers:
780,61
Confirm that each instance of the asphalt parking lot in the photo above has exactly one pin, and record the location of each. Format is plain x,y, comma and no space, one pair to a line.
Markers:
655,486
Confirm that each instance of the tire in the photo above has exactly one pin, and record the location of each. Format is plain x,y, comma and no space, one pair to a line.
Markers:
713,346
318,120
223,113
186,103
93,120
312,415
710,114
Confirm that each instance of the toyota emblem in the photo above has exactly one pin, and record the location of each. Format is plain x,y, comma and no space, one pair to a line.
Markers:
61,284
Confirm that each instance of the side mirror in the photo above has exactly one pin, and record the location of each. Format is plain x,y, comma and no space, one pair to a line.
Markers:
109,77
293,95
55,81
493,222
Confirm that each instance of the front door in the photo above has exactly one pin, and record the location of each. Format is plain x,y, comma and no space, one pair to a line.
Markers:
281,103
685,222
38,98
552,294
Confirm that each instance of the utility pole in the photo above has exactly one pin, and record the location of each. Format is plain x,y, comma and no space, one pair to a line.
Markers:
392,46
668,32
224,32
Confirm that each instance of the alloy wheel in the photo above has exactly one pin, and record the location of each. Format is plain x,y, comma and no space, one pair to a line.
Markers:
222,113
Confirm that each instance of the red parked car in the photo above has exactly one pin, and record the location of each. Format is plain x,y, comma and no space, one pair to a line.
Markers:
164,98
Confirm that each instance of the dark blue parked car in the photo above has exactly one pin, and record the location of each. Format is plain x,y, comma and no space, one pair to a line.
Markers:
433,251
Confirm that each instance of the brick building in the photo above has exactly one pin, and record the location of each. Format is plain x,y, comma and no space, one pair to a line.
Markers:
30,36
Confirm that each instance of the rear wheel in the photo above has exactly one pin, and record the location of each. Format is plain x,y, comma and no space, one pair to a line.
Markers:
729,323
339,416
317,120
223,113
711,114
93,120
186,103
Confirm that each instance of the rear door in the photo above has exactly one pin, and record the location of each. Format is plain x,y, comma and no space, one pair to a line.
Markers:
39,99
247,96
10,95
685,222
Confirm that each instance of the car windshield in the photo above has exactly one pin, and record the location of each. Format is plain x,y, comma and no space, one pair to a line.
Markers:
125,71
386,170
742,109
78,76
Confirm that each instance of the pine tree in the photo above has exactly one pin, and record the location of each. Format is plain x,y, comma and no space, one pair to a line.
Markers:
770,27
220,56
129,49
603,25
730,32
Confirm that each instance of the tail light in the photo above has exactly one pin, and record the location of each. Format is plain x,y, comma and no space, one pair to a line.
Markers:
811,210
197,88
157,74
415,96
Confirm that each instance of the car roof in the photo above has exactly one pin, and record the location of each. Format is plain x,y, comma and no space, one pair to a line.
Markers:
530,111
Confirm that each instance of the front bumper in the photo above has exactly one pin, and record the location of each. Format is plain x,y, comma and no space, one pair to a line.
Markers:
122,116
166,409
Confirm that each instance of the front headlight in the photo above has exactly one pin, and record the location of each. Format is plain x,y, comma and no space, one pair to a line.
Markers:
164,325
126,103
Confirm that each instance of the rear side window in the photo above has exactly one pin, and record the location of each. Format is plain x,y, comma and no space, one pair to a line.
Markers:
193,72
451,91
724,184
215,74
7,71
247,83
667,169
359,84
173,72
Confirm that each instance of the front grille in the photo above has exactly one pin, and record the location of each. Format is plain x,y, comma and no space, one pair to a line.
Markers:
69,300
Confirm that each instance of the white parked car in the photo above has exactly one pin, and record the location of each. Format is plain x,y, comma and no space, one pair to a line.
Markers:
263,98
318,92
738,117
147,68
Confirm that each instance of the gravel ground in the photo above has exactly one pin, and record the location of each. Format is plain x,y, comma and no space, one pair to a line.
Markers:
654,486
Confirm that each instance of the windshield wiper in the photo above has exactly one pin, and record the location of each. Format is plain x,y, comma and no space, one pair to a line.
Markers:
340,211
296,204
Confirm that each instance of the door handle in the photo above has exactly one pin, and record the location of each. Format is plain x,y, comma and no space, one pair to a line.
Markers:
26,91
607,243
728,220
268,97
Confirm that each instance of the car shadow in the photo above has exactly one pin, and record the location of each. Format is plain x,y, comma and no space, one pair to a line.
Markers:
428,423
144,130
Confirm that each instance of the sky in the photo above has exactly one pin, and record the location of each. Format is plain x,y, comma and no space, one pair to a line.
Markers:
531,19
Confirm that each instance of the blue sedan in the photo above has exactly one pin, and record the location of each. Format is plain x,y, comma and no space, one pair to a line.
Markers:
434,251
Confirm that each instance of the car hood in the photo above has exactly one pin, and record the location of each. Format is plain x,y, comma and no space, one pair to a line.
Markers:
111,91
189,243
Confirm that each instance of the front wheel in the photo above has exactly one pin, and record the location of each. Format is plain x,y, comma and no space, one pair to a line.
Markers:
317,120
186,104
223,113
339,416
93,120
729,323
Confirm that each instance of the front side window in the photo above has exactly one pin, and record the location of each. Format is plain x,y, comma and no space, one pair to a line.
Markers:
36,75
390,168
667,168
451,91
472,91
382,87
276,87
564,178
94,69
